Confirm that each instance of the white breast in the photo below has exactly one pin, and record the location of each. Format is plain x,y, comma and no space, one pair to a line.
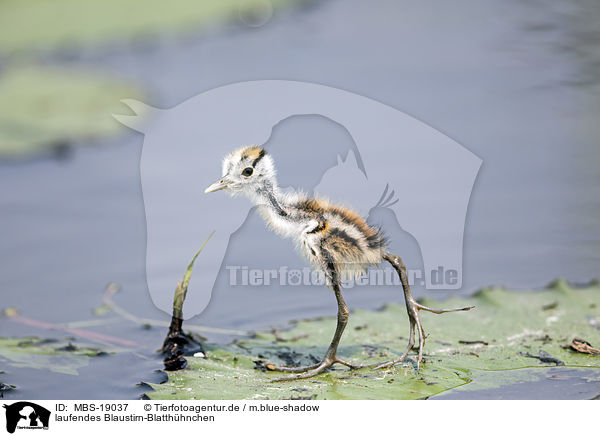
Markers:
281,225
296,229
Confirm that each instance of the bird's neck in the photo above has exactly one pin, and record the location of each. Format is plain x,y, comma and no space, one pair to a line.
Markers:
269,196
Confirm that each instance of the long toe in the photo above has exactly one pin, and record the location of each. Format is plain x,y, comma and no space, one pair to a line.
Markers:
389,364
307,374
350,364
292,368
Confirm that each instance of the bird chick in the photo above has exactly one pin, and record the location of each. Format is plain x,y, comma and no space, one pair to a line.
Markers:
335,240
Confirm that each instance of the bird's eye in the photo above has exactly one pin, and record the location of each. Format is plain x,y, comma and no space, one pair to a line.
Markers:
247,172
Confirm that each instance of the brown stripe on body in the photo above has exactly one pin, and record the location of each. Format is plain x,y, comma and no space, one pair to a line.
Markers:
312,205
377,241
314,209
342,249
355,220
344,240
321,227
320,207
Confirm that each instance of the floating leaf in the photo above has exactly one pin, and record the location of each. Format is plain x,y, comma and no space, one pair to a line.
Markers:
492,340
50,109
69,24
47,354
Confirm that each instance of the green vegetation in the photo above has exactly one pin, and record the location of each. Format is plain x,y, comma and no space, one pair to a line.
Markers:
494,339
182,286
42,24
46,108
485,348
46,354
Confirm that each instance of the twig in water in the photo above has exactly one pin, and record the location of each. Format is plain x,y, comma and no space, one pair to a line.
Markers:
544,357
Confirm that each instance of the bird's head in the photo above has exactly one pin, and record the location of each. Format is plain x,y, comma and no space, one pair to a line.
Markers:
247,171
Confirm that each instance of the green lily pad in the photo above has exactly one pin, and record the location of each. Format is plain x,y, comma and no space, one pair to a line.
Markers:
496,338
51,355
35,24
53,108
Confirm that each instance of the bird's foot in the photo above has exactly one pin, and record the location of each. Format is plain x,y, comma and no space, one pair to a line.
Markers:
311,370
413,308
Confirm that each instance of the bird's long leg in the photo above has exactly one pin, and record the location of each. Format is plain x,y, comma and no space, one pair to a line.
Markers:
412,308
331,356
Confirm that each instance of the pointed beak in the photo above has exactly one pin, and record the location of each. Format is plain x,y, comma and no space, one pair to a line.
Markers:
217,186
